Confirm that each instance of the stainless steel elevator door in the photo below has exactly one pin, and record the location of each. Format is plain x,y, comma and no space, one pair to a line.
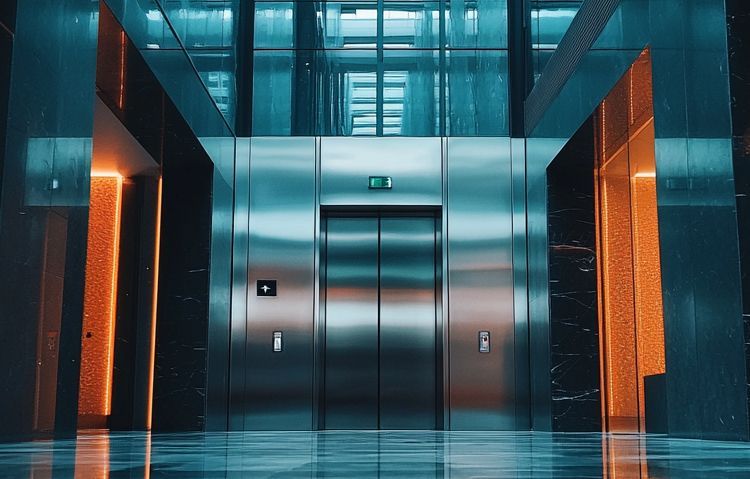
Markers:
380,359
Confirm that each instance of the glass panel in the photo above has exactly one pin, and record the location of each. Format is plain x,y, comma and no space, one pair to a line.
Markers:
550,21
477,24
477,83
274,25
349,93
202,24
350,25
216,69
411,93
307,92
411,25
273,76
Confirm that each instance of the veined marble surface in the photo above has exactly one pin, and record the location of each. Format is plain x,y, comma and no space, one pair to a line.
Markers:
373,454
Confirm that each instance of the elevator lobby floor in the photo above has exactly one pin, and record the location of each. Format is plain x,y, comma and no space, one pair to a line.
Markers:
384,454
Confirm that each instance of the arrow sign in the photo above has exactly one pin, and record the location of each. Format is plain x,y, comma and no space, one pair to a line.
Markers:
266,287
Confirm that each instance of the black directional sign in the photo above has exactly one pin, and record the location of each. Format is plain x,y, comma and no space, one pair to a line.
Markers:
266,287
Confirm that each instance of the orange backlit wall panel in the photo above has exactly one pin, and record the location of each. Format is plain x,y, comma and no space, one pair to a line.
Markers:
100,301
631,314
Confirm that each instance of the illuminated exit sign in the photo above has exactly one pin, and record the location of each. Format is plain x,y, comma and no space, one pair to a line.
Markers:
381,183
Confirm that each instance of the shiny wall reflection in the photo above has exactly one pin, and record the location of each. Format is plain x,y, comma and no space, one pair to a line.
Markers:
549,22
43,213
370,69
482,391
704,352
273,391
375,455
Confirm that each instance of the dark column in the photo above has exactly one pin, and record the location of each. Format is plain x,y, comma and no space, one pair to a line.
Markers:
182,315
134,304
738,24
7,27
706,379
44,210
574,336
519,59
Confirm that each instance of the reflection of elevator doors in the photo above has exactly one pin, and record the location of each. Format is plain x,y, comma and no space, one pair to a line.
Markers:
380,361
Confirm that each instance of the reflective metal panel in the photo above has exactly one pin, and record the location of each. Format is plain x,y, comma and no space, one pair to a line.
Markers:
238,328
413,163
407,323
351,315
278,391
520,284
480,280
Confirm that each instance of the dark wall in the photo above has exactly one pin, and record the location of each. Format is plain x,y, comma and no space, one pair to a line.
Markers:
182,324
574,338
44,210
7,26
179,396
738,23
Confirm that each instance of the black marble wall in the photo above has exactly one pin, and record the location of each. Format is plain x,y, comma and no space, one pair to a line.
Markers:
574,341
44,211
738,24
182,317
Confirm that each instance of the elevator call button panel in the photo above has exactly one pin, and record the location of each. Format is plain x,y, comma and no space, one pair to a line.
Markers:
484,341
277,344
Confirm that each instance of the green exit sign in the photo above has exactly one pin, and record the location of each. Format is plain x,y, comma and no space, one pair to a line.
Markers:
381,183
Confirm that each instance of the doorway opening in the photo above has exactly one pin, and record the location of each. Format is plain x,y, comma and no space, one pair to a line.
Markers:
630,295
380,333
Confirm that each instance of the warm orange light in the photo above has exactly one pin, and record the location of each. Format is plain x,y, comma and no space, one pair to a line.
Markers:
152,352
92,457
630,300
123,53
100,300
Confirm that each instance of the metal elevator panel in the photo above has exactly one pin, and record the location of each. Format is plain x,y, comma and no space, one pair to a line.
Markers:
407,323
380,313
351,356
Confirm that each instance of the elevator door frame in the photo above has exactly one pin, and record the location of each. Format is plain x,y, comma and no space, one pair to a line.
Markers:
441,380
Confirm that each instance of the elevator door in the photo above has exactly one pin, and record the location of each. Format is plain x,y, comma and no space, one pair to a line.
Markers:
381,350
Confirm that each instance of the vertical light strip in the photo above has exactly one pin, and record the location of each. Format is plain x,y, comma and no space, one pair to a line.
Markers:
113,296
154,305
123,51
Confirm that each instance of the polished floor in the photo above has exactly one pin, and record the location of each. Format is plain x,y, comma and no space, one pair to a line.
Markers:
383,454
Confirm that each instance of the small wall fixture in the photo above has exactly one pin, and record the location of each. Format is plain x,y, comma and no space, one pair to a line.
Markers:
380,183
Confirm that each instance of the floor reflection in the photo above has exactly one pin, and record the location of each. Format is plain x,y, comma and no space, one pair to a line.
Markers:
386,454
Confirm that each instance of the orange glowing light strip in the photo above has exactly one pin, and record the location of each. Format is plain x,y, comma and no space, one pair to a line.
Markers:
113,297
96,384
123,50
154,303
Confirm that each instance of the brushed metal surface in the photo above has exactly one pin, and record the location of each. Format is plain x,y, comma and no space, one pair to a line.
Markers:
520,284
278,386
351,315
238,327
480,279
408,361
414,164
381,352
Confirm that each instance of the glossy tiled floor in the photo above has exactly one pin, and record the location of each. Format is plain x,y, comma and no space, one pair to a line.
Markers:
374,455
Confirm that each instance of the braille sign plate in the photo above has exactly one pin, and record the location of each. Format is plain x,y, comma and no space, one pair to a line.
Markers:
266,287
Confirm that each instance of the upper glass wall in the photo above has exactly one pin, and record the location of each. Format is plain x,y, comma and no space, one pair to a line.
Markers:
390,68
207,30
550,20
